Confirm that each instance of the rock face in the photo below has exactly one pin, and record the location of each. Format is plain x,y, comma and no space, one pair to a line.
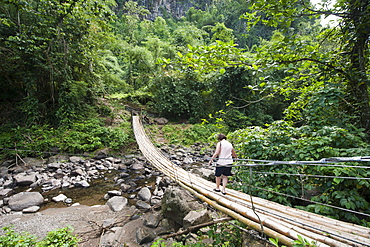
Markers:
176,9
24,200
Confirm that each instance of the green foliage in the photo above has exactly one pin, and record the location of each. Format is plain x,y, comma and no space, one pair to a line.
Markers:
225,234
79,137
221,235
59,238
187,135
180,96
300,242
14,239
282,142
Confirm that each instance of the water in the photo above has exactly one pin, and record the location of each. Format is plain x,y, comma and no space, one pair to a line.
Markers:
94,195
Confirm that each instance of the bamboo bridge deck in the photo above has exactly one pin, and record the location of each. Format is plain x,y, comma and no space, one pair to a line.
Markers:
273,219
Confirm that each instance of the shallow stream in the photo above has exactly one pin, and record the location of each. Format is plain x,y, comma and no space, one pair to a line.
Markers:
94,195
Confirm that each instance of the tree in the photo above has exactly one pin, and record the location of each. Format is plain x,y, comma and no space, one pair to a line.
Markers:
49,55
347,62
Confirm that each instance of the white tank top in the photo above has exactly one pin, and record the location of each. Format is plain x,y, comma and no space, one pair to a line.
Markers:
225,156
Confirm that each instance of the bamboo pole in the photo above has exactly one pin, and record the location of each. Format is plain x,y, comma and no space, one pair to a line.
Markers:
274,219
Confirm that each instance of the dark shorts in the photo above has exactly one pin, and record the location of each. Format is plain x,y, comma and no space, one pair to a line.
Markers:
223,170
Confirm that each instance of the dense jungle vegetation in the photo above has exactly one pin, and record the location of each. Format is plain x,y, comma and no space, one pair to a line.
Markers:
267,73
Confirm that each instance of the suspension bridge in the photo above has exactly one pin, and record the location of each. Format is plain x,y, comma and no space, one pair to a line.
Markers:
270,218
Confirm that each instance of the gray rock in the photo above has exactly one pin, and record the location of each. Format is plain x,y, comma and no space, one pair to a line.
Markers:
77,172
82,183
32,209
175,205
117,203
142,205
101,167
5,192
124,175
8,183
25,179
125,187
188,161
68,200
114,193
164,227
137,166
195,218
151,220
23,200
58,175
75,159
144,194
161,121
112,237
92,172
33,161
205,173
155,200
55,165
108,222
59,198
145,235
66,184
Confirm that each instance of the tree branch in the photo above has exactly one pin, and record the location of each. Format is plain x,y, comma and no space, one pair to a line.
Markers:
197,227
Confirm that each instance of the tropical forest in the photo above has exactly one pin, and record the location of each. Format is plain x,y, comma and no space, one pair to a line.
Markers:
276,76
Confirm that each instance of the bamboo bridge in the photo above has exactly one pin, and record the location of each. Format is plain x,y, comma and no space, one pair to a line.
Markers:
270,218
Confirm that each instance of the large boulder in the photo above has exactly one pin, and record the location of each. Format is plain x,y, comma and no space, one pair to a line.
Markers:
175,205
23,200
117,203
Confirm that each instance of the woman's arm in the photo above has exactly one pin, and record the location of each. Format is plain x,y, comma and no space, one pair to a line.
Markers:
216,153
233,153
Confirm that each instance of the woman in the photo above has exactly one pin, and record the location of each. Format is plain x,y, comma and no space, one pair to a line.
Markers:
225,152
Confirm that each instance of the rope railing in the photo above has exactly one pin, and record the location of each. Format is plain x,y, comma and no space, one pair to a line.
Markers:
273,219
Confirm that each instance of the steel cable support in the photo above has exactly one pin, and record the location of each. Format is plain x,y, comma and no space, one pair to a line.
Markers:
278,221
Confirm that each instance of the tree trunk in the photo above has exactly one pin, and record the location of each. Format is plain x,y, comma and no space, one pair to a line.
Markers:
359,20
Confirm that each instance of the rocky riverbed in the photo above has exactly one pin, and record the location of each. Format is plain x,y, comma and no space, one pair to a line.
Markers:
109,201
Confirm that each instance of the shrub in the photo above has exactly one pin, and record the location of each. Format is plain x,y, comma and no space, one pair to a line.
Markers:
59,238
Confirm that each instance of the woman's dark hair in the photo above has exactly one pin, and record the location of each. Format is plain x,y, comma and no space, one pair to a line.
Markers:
221,137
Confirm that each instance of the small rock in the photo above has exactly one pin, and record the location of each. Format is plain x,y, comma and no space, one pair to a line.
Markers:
75,159
142,205
114,193
82,183
144,194
59,198
32,209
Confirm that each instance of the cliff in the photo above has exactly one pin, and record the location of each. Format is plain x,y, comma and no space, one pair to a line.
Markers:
174,8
